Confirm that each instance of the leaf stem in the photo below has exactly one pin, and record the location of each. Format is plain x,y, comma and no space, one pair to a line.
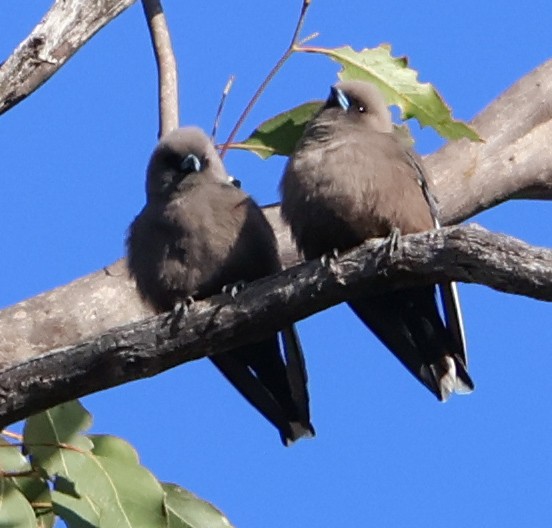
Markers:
271,74
9,434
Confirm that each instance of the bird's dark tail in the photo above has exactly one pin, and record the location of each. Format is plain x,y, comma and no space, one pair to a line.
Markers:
258,372
408,323
453,317
298,381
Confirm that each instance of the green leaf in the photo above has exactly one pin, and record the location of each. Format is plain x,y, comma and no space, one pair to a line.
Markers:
37,492
185,510
110,492
400,87
51,435
98,481
15,510
398,83
279,134
34,488
11,458
77,510
55,441
114,447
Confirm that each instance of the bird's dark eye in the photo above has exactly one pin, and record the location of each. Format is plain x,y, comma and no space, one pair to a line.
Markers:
362,109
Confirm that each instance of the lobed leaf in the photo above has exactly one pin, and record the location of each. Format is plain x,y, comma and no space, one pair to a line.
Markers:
400,86
398,83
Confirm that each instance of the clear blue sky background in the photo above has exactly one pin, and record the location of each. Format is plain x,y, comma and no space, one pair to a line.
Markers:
387,454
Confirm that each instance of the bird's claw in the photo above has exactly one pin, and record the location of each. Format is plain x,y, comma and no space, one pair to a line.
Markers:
234,289
328,259
390,246
181,308
393,242
179,311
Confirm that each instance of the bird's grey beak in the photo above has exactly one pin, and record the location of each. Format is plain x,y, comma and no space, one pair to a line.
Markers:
190,164
338,96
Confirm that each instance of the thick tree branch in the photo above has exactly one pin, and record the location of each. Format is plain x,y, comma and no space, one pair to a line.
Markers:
64,29
105,299
515,162
167,76
469,254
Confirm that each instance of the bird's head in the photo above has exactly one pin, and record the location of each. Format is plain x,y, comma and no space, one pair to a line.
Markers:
182,157
359,102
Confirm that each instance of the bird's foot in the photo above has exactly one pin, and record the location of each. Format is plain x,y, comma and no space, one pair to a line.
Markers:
390,247
234,289
393,242
328,259
179,311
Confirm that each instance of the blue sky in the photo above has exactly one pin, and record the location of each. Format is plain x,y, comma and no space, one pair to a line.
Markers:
387,454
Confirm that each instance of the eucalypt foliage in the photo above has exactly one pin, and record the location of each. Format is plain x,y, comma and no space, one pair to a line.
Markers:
55,470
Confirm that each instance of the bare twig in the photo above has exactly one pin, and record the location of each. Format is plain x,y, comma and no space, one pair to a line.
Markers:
277,67
225,93
469,254
166,66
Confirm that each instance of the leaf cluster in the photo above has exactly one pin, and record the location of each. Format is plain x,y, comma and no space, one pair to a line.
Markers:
56,470
398,83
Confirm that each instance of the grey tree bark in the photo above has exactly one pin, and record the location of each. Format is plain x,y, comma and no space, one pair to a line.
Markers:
469,254
515,161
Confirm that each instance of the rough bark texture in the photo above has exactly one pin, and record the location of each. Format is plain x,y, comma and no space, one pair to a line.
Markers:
514,161
64,29
69,314
469,254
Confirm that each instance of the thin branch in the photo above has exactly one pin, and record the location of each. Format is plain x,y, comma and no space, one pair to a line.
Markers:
166,66
14,436
469,254
271,74
300,23
220,108
67,26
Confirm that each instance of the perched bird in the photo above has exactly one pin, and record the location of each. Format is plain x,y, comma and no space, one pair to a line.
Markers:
198,233
352,178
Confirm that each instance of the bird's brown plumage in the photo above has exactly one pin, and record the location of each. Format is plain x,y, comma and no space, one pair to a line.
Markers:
352,178
198,233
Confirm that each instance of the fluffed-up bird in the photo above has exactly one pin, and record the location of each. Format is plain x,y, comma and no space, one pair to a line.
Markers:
198,233
352,178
